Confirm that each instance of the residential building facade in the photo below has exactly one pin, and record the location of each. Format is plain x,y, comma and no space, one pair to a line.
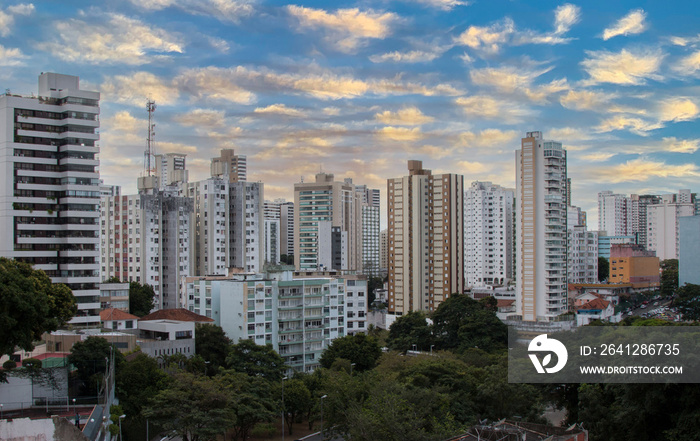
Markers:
663,234
51,186
541,219
425,240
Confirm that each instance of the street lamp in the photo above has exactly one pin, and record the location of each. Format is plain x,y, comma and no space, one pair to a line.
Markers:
121,417
351,365
206,365
414,347
74,408
283,410
322,398
431,349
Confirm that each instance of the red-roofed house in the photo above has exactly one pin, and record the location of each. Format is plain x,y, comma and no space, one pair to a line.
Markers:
169,331
118,320
596,309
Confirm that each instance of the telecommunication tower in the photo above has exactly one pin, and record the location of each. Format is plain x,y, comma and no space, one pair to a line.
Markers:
151,107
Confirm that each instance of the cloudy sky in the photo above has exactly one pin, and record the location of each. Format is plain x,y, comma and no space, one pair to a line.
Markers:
357,88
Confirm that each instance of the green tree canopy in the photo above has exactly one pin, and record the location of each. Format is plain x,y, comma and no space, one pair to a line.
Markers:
256,360
141,299
193,406
688,301
30,305
253,400
297,400
461,322
90,360
360,349
212,344
137,381
408,330
669,277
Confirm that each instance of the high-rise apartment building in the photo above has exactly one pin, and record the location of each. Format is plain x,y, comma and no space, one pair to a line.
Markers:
286,227
663,234
370,229
488,235
324,208
383,247
232,166
171,169
246,225
50,192
541,219
615,214
425,254
582,263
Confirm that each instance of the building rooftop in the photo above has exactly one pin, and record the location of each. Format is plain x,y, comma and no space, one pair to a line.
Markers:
179,314
595,304
115,314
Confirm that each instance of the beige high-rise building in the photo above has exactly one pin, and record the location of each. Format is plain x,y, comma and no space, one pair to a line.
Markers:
231,165
327,225
425,240
541,220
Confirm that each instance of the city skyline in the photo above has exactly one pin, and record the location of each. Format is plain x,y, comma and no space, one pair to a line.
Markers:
360,88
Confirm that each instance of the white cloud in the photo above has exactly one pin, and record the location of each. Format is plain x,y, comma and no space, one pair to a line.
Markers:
136,88
689,65
346,29
672,144
215,83
487,38
224,10
639,170
10,56
488,138
586,100
517,80
445,5
632,23
279,109
406,57
400,133
116,39
625,67
678,109
206,118
634,125
7,19
565,16
409,116
487,107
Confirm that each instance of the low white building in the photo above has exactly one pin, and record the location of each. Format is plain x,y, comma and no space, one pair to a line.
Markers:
596,309
169,332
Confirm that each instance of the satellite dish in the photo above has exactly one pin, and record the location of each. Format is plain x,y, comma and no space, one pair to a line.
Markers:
570,428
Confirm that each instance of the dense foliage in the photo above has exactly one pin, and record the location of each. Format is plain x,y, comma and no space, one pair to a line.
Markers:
669,277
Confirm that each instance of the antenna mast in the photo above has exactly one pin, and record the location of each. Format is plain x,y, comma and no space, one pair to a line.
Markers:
151,107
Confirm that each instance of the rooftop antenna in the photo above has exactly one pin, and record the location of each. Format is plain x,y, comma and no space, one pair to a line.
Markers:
151,107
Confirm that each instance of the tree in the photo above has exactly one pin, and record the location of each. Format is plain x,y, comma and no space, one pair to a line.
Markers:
297,400
373,284
253,401
90,358
603,269
211,342
30,305
141,299
669,277
194,407
408,330
461,322
688,301
360,349
287,259
113,279
137,381
256,360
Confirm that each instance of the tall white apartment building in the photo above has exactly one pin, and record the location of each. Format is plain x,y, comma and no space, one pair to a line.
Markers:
425,254
488,235
145,238
246,226
272,241
541,219
582,264
324,208
287,227
50,193
663,232
370,229
383,247
171,169
615,214
229,165
209,226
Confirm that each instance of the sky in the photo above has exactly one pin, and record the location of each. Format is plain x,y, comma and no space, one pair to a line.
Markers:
358,88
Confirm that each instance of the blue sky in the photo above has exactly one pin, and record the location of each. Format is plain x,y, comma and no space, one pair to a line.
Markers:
358,88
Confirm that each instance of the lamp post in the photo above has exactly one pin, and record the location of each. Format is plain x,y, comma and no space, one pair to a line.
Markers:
121,417
414,347
431,349
74,407
206,366
322,398
283,410
351,365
